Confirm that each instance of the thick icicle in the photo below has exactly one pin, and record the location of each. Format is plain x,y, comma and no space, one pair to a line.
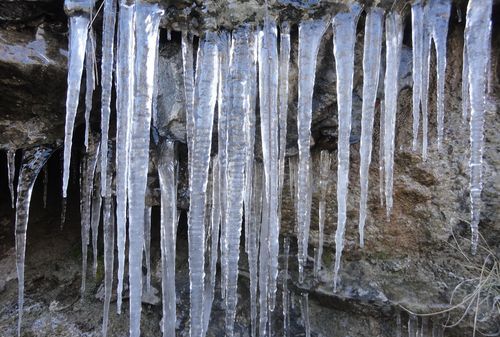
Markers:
324,172
417,37
33,161
95,218
11,172
344,38
125,108
79,20
284,288
371,71
147,245
205,95
240,85
439,15
90,78
394,36
465,86
108,41
167,172
146,30
88,166
477,40
310,34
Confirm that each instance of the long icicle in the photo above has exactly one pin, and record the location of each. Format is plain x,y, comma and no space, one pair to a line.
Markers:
90,78
125,107
146,30
205,94
424,98
108,39
167,172
371,72
33,161
79,20
394,34
310,34
417,38
477,40
344,38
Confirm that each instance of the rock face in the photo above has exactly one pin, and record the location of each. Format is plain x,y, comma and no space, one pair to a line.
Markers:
412,260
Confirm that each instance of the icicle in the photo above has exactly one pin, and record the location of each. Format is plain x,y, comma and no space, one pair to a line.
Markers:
109,243
89,81
286,295
147,245
439,15
304,310
167,172
381,153
108,41
412,325
11,172
324,172
223,110
205,94
125,107
269,119
33,161
465,86
45,184
417,37
371,73
88,166
394,36
240,86
79,20
146,30
477,40
187,65
426,59
95,218
344,38
310,34
425,327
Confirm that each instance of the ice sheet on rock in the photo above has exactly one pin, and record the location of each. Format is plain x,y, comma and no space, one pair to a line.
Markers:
125,107
33,161
146,30
394,36
205,95
344,38
240,85
108,41
11,172
371,72
477,40
90,79
417,38
310,34
324,176
78,30
167,172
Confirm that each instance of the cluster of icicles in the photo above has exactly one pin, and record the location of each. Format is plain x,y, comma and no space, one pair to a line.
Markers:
241,190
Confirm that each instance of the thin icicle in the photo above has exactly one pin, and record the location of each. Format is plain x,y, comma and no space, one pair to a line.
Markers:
109,245
381,153
205,94
344,38
371,73
284,288
88,166
11,172
79,20
95,218
412,325
465,86
417,37
439,15
90,78
240,85
108,41
477,39
304,310
125,107
424,103
394,37
188,71
33,161
146,30
167,172
324,172
147,245
310,34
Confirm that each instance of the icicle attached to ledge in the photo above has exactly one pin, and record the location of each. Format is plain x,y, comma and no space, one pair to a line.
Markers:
478,44
371,73
33,161
310,35
125,80
344,39
146,30
205,95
